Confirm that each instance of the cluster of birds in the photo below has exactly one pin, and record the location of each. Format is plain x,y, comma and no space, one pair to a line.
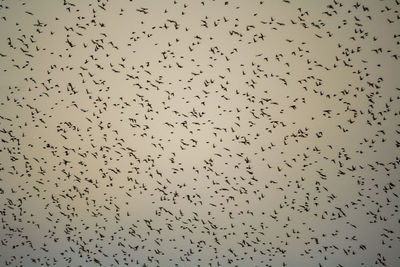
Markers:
199,133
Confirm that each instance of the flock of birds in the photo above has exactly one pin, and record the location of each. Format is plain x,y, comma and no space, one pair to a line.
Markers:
199,133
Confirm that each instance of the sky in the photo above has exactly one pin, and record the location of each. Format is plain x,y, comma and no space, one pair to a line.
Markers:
199,133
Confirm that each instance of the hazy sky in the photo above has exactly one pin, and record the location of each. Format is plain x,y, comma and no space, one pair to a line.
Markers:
199,133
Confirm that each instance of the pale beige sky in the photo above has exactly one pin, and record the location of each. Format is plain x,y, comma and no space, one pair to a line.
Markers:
199,133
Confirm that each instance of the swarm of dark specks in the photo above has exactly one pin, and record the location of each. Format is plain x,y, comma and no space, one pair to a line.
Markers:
199,133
